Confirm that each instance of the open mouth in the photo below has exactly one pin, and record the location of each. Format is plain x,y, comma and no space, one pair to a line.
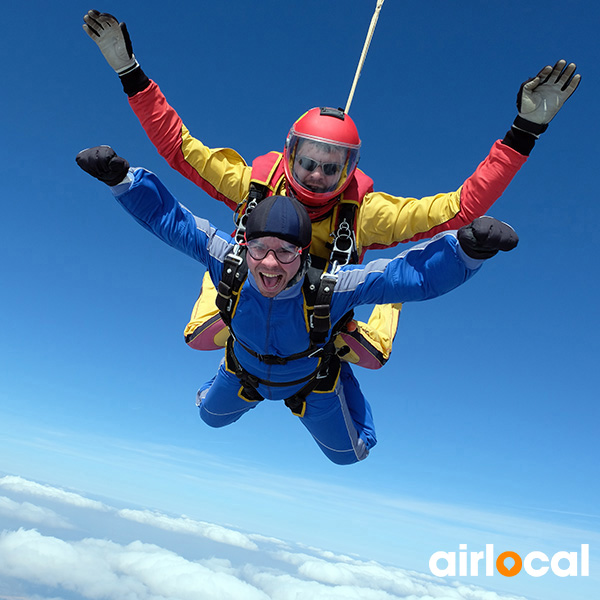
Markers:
270,281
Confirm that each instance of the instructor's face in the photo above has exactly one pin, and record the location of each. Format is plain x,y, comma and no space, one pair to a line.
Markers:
318,169
271,275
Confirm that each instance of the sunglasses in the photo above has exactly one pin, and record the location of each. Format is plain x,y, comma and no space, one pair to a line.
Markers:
284,254
310,164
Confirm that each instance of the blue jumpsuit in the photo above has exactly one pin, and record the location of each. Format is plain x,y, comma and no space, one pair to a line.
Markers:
339,419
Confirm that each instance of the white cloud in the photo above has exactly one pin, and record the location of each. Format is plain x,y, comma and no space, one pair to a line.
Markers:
257,537
25,511
190,526
95,569
276,570
24,486
282,586
182,524
103,569
343,573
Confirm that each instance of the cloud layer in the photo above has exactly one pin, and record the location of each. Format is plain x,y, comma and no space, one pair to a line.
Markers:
24,486
96,568
210,561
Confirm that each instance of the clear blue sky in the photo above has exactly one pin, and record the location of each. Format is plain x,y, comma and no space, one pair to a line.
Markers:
487,413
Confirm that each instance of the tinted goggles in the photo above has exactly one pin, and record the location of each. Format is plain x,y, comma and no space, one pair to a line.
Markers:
310,164
285,254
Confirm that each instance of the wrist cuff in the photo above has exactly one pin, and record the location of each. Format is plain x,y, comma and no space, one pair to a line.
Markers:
530,127
519,140
124,185
135,81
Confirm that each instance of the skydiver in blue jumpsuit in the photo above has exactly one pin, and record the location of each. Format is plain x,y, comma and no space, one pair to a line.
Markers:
270,318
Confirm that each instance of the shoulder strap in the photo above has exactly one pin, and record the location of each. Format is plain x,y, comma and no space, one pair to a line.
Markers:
318,289
256,193
267,170
235,271
345,246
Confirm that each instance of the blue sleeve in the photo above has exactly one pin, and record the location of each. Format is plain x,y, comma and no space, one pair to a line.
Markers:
425,271
153,206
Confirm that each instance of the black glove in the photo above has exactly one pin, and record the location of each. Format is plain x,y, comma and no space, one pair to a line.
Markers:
485,236
103,163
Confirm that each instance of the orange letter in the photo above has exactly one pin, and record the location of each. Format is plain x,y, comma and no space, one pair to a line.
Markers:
516,568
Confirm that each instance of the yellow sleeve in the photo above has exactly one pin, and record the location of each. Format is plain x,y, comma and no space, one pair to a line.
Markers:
220,172
385,219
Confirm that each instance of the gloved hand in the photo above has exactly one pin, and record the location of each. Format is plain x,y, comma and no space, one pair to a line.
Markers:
485,236
112,39
103,163
540,98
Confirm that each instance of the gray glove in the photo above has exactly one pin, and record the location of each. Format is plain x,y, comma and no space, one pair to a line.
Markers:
112,39
541,97
483,237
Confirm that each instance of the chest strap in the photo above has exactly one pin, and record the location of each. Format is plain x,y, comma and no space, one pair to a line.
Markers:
254,380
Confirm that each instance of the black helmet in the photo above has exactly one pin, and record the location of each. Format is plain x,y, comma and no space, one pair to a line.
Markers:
281,217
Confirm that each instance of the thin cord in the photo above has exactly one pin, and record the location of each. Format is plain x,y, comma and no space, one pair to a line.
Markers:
364,53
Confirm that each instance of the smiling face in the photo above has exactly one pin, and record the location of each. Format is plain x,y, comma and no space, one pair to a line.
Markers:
272,276
319,178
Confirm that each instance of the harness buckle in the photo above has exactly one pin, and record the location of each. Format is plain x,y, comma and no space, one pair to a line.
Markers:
343,244
322,374
234,255
316,352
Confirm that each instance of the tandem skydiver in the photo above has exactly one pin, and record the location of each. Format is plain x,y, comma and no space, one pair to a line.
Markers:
283,311
318,166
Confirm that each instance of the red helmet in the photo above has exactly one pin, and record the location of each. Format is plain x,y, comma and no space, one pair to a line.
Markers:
321,153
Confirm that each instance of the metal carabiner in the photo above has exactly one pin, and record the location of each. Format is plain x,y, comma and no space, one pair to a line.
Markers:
343,245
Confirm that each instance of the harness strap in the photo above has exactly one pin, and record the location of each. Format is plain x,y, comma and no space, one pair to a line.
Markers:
323,376
254,380
321,315
272,359
318,291
235,271
325,380
256,193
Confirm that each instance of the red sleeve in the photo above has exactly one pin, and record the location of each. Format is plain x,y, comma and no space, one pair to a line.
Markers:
483,188
160,122
166,131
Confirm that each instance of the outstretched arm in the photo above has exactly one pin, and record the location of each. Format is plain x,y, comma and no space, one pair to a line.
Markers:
151,204
427,270
222,173
388,220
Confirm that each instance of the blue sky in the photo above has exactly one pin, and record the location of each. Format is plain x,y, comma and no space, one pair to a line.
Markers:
487,413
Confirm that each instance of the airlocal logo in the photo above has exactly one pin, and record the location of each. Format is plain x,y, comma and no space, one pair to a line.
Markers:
509,563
